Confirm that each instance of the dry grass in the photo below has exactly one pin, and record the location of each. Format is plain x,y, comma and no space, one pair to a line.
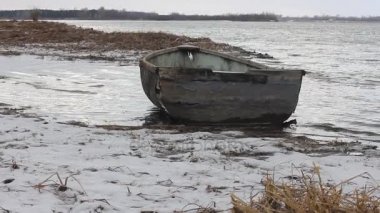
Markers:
42,32
309,193
60,186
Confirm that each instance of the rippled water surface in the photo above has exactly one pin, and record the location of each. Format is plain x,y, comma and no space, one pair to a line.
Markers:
91,92
340,95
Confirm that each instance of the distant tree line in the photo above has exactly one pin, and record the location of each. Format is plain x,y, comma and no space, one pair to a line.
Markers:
105,14
331,18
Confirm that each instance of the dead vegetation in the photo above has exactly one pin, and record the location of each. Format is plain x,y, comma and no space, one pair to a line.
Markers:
314,147
49,34
11,164
307,192
195,208
60,185
15,165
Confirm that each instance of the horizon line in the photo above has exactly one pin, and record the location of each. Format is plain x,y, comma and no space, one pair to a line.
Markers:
196,14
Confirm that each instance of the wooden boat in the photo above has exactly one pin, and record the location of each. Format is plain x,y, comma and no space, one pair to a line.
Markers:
199,85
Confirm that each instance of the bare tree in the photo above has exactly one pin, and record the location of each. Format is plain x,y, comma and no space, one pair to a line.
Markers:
35,14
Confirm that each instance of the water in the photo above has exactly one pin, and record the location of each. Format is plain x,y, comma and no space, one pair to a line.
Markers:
90,92
340,95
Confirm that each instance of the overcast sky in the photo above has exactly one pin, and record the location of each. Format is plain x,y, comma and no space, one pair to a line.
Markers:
284,7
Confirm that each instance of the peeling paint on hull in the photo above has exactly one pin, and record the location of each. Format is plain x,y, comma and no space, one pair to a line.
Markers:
198,85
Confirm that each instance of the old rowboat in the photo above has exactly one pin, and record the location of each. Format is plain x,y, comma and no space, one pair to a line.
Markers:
199,85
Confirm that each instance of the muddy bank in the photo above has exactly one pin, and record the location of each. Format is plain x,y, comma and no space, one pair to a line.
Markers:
147,170
285,141
71,42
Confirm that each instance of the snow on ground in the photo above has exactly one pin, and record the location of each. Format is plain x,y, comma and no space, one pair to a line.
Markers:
152,170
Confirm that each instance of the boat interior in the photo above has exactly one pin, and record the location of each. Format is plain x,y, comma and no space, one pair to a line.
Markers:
200,60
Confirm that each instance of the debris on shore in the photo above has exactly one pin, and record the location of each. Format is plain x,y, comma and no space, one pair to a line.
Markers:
308,192
72,42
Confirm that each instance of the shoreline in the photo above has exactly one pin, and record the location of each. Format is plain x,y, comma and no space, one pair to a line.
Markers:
70,42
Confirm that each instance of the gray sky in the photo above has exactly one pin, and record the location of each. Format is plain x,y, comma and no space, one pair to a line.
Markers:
284,7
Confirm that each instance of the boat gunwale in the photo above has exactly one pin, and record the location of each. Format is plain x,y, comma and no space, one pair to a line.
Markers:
144,62
270,71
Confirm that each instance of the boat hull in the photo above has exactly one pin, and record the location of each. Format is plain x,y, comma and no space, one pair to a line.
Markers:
206,96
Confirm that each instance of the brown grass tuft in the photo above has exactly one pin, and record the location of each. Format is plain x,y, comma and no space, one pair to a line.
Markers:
309,193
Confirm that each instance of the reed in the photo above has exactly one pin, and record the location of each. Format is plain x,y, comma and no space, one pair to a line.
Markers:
309,193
